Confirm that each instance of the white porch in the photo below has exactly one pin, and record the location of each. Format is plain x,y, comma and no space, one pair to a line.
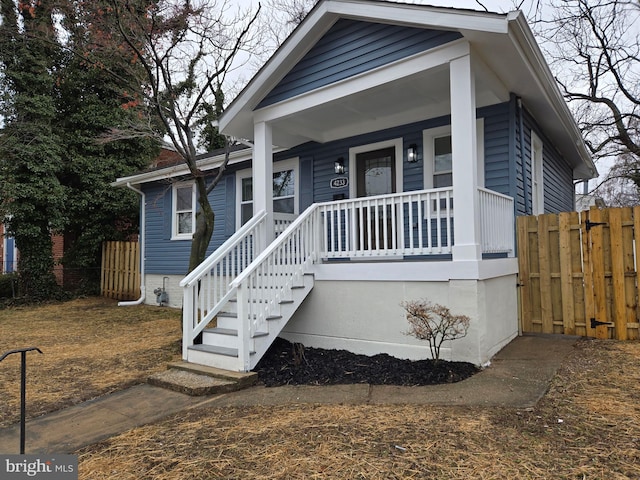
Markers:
253,292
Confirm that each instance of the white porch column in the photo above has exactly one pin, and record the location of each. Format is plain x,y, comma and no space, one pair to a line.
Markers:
466,221
262,173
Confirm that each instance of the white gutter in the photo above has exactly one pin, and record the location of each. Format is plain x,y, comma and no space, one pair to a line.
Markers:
141,239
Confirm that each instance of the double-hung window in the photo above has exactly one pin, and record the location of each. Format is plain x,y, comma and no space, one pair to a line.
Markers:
438,159
285,190
184,210
442,167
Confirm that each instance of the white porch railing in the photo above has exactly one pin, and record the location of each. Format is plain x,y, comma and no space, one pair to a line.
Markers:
412,223
496,222
208,287
400,225
281,222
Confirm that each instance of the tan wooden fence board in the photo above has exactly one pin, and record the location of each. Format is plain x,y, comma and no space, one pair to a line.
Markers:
120,275
573,271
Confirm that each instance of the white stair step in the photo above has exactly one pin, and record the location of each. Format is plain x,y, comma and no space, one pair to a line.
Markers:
226,351
224,337
218,357
235,315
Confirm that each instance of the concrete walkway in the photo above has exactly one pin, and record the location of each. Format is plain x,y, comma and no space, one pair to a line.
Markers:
518,377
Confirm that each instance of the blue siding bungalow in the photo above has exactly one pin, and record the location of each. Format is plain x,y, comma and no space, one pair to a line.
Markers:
387,149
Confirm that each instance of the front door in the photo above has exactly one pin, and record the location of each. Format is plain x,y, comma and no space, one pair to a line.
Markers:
375,175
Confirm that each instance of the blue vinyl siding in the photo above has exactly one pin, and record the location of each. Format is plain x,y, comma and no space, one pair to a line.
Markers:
497,164
557,174
10,263
350,48
557,181
171,257
503,173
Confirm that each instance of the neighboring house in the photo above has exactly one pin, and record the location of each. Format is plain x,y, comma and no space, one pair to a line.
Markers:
397,143
9,254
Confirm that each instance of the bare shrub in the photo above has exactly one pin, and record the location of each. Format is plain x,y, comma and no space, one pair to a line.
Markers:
434,323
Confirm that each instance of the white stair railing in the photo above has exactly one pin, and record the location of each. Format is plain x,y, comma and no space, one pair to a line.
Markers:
268,281
209,286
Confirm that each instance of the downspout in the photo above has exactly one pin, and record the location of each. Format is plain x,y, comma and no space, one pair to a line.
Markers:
142,252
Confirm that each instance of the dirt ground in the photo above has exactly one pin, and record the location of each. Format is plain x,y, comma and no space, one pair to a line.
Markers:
586,427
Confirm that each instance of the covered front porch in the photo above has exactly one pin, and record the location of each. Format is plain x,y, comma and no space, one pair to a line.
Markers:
399,223
253,288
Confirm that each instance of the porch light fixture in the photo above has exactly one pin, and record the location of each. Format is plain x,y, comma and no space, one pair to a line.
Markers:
338,166
412,153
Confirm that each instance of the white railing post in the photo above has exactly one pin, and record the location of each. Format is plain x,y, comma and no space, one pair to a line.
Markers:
244,327
187,320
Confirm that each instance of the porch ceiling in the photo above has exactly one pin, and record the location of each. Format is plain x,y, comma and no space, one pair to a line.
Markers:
410,99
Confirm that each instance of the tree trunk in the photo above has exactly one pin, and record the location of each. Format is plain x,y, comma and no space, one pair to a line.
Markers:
204,226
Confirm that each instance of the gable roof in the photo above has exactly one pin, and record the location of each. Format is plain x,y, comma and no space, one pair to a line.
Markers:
504,43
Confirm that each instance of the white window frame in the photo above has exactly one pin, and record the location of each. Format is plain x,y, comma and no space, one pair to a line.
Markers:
429,135
396,143
537,175
280,166
174,211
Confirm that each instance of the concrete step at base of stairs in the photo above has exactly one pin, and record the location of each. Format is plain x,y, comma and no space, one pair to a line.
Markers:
196,380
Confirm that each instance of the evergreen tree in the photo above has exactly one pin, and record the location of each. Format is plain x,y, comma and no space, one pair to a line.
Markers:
89,105
55,174
30,147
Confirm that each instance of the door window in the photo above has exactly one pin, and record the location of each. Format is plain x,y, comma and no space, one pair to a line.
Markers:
376,172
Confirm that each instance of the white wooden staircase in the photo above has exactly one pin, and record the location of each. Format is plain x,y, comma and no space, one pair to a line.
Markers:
249,297
220,345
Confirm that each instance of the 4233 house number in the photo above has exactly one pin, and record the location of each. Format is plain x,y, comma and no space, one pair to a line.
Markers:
339,182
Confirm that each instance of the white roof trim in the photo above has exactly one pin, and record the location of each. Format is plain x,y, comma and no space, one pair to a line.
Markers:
523,38
181,169
326,13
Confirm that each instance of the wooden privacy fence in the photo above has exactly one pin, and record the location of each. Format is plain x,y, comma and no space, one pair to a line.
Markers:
120,275
580,273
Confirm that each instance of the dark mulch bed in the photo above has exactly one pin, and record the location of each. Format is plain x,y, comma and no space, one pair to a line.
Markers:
293,364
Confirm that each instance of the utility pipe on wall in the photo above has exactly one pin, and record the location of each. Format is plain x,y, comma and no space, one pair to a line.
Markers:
143,204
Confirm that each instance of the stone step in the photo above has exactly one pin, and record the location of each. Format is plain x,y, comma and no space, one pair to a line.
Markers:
196,380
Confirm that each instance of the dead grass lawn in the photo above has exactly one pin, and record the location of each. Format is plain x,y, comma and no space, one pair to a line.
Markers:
90,347
587,427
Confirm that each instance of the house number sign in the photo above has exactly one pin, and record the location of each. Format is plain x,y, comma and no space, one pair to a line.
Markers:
339,182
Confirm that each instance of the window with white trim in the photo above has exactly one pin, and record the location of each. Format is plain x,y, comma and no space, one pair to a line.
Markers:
285,190
442,166
438,164
184,210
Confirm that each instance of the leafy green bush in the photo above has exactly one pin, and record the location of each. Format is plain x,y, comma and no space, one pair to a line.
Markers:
8,285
